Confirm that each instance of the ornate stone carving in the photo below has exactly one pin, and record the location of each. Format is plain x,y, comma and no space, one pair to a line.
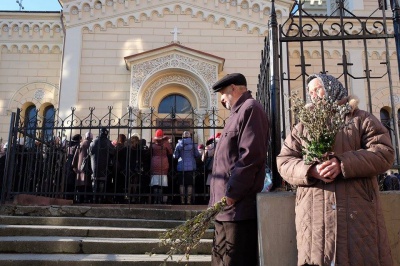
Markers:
256,8
149,7
174,78
5,28
39,94
140,72
97,5
74,11
203,69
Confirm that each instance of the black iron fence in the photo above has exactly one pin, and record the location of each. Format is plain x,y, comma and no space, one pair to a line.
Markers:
300,46
41,154
47,158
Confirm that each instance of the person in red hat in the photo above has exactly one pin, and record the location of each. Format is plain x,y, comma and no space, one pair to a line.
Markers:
160,150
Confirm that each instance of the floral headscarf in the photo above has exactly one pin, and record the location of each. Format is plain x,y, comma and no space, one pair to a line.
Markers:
333,87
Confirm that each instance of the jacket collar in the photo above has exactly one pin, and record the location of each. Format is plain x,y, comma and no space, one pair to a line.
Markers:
245,96
352,100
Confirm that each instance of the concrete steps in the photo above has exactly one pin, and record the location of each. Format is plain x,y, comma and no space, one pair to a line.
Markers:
28,238
97,260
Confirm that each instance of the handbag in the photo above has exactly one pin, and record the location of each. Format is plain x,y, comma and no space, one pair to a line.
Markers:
85,166
209,163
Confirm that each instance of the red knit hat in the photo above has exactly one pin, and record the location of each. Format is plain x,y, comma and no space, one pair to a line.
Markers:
159,134
213,138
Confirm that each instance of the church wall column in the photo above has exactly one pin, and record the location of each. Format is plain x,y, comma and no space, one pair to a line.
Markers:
357,86
69,85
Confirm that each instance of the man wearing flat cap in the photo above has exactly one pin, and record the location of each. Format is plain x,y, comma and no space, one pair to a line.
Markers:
238,173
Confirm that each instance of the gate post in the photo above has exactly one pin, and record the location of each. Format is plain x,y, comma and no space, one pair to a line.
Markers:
396,26
10,157
274,97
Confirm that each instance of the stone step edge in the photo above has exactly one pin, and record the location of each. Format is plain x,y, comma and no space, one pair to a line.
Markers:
83,227
84,231
30,218
99,257
4,239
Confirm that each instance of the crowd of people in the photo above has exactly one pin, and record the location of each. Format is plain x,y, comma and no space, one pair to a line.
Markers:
129,168
92,169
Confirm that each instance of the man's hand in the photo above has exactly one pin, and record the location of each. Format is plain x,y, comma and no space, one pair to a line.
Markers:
230,201
326,171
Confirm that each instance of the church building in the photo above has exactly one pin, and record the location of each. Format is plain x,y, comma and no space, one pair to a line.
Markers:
142,54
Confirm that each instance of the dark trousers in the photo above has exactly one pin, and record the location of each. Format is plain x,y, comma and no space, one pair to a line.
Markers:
235,244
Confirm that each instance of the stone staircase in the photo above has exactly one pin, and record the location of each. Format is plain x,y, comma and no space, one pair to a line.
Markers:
93,235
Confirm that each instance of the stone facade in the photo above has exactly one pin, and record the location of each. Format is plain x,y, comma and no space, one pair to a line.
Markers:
124,53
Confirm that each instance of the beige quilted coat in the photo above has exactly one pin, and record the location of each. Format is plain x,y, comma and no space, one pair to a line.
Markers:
341,223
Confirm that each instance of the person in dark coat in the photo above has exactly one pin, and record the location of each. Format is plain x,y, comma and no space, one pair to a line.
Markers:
128,169
82,167
101,152
73,146
238,173
144,175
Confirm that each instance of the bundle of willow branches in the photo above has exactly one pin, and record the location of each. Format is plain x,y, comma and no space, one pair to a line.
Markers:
185,237
322,120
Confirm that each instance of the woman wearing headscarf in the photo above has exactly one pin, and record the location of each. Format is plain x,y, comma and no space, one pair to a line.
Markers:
339,218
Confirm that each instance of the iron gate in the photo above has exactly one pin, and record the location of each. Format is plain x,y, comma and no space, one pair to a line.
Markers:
41,154
305,44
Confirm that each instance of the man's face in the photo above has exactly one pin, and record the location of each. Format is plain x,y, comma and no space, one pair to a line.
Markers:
316,89
227,96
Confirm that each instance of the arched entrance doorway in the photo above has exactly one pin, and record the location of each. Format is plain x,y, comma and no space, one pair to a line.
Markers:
172,105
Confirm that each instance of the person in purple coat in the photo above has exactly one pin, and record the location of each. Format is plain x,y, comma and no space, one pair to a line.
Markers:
238,173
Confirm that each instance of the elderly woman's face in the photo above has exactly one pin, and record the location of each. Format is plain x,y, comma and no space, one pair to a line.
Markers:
316,89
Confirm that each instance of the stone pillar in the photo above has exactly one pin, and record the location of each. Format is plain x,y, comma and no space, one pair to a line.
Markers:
69,84
276,228
277,231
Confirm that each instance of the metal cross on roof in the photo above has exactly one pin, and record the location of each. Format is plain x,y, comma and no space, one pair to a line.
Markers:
175,32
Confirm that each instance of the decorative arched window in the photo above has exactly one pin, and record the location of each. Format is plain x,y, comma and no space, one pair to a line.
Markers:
48,122
175,103
30,123
385,118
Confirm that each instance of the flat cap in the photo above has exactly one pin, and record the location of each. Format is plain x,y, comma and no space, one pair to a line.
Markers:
234,78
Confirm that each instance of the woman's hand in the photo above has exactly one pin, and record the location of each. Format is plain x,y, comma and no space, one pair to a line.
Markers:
326,171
